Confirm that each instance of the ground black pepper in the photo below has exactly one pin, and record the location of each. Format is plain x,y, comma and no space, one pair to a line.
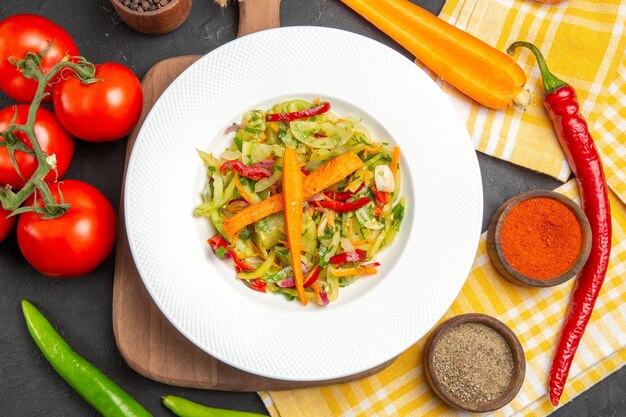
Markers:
473,362
143,6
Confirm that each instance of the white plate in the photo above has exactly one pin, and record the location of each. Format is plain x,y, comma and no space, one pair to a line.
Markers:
377,317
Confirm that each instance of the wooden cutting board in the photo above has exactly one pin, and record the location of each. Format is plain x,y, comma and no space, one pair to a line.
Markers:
146,339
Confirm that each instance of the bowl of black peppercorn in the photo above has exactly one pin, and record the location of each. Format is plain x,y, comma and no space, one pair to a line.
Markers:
153,17
474,362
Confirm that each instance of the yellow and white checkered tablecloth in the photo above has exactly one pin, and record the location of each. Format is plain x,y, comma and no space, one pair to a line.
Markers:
584,43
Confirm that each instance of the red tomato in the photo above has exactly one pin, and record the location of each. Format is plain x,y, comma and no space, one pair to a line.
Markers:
52,138
75,243
30,33
5,224
101,111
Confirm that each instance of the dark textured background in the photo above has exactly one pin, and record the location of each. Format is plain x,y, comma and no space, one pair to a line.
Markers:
81,308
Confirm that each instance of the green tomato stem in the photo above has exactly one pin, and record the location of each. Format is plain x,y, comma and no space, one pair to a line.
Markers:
11,201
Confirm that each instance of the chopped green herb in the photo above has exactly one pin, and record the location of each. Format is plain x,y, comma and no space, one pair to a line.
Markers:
263,226
398,214
220,252
238,143
322,254
245,234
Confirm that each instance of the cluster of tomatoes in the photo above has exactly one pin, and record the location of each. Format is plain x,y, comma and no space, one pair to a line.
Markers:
82,238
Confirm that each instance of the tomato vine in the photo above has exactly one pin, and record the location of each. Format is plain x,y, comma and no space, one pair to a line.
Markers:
29,67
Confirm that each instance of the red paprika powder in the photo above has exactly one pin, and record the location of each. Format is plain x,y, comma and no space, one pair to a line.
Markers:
541,238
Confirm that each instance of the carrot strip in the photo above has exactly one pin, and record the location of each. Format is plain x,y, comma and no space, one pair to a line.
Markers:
317,181
274,127
395,162
293,198
484,73
235,239
316,289
242,191
358,270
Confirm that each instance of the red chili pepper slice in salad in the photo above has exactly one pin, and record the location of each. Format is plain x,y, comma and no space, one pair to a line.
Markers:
258,285
217,242
312,278
341,258
300,114
381,196
342,195
253,172
241,264
381,199
343,207
338,195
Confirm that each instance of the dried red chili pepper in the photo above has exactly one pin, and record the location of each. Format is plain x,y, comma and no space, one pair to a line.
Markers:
341,206
577,143
341,258
300,114
253,172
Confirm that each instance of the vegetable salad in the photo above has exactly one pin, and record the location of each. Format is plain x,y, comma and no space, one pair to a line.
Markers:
343,227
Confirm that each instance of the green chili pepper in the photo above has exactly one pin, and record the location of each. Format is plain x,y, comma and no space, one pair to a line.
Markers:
95,387
185,408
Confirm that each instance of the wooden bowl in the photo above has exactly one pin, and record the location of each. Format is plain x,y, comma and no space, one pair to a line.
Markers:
494,245
519,363
157,22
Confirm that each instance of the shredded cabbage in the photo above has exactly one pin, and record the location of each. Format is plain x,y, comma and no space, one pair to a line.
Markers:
326,230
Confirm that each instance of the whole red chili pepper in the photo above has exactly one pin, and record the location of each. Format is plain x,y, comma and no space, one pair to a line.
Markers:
342,258
343,207
253,172
577,143
300,114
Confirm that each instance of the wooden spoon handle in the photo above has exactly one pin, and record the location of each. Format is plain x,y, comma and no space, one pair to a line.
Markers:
257,15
